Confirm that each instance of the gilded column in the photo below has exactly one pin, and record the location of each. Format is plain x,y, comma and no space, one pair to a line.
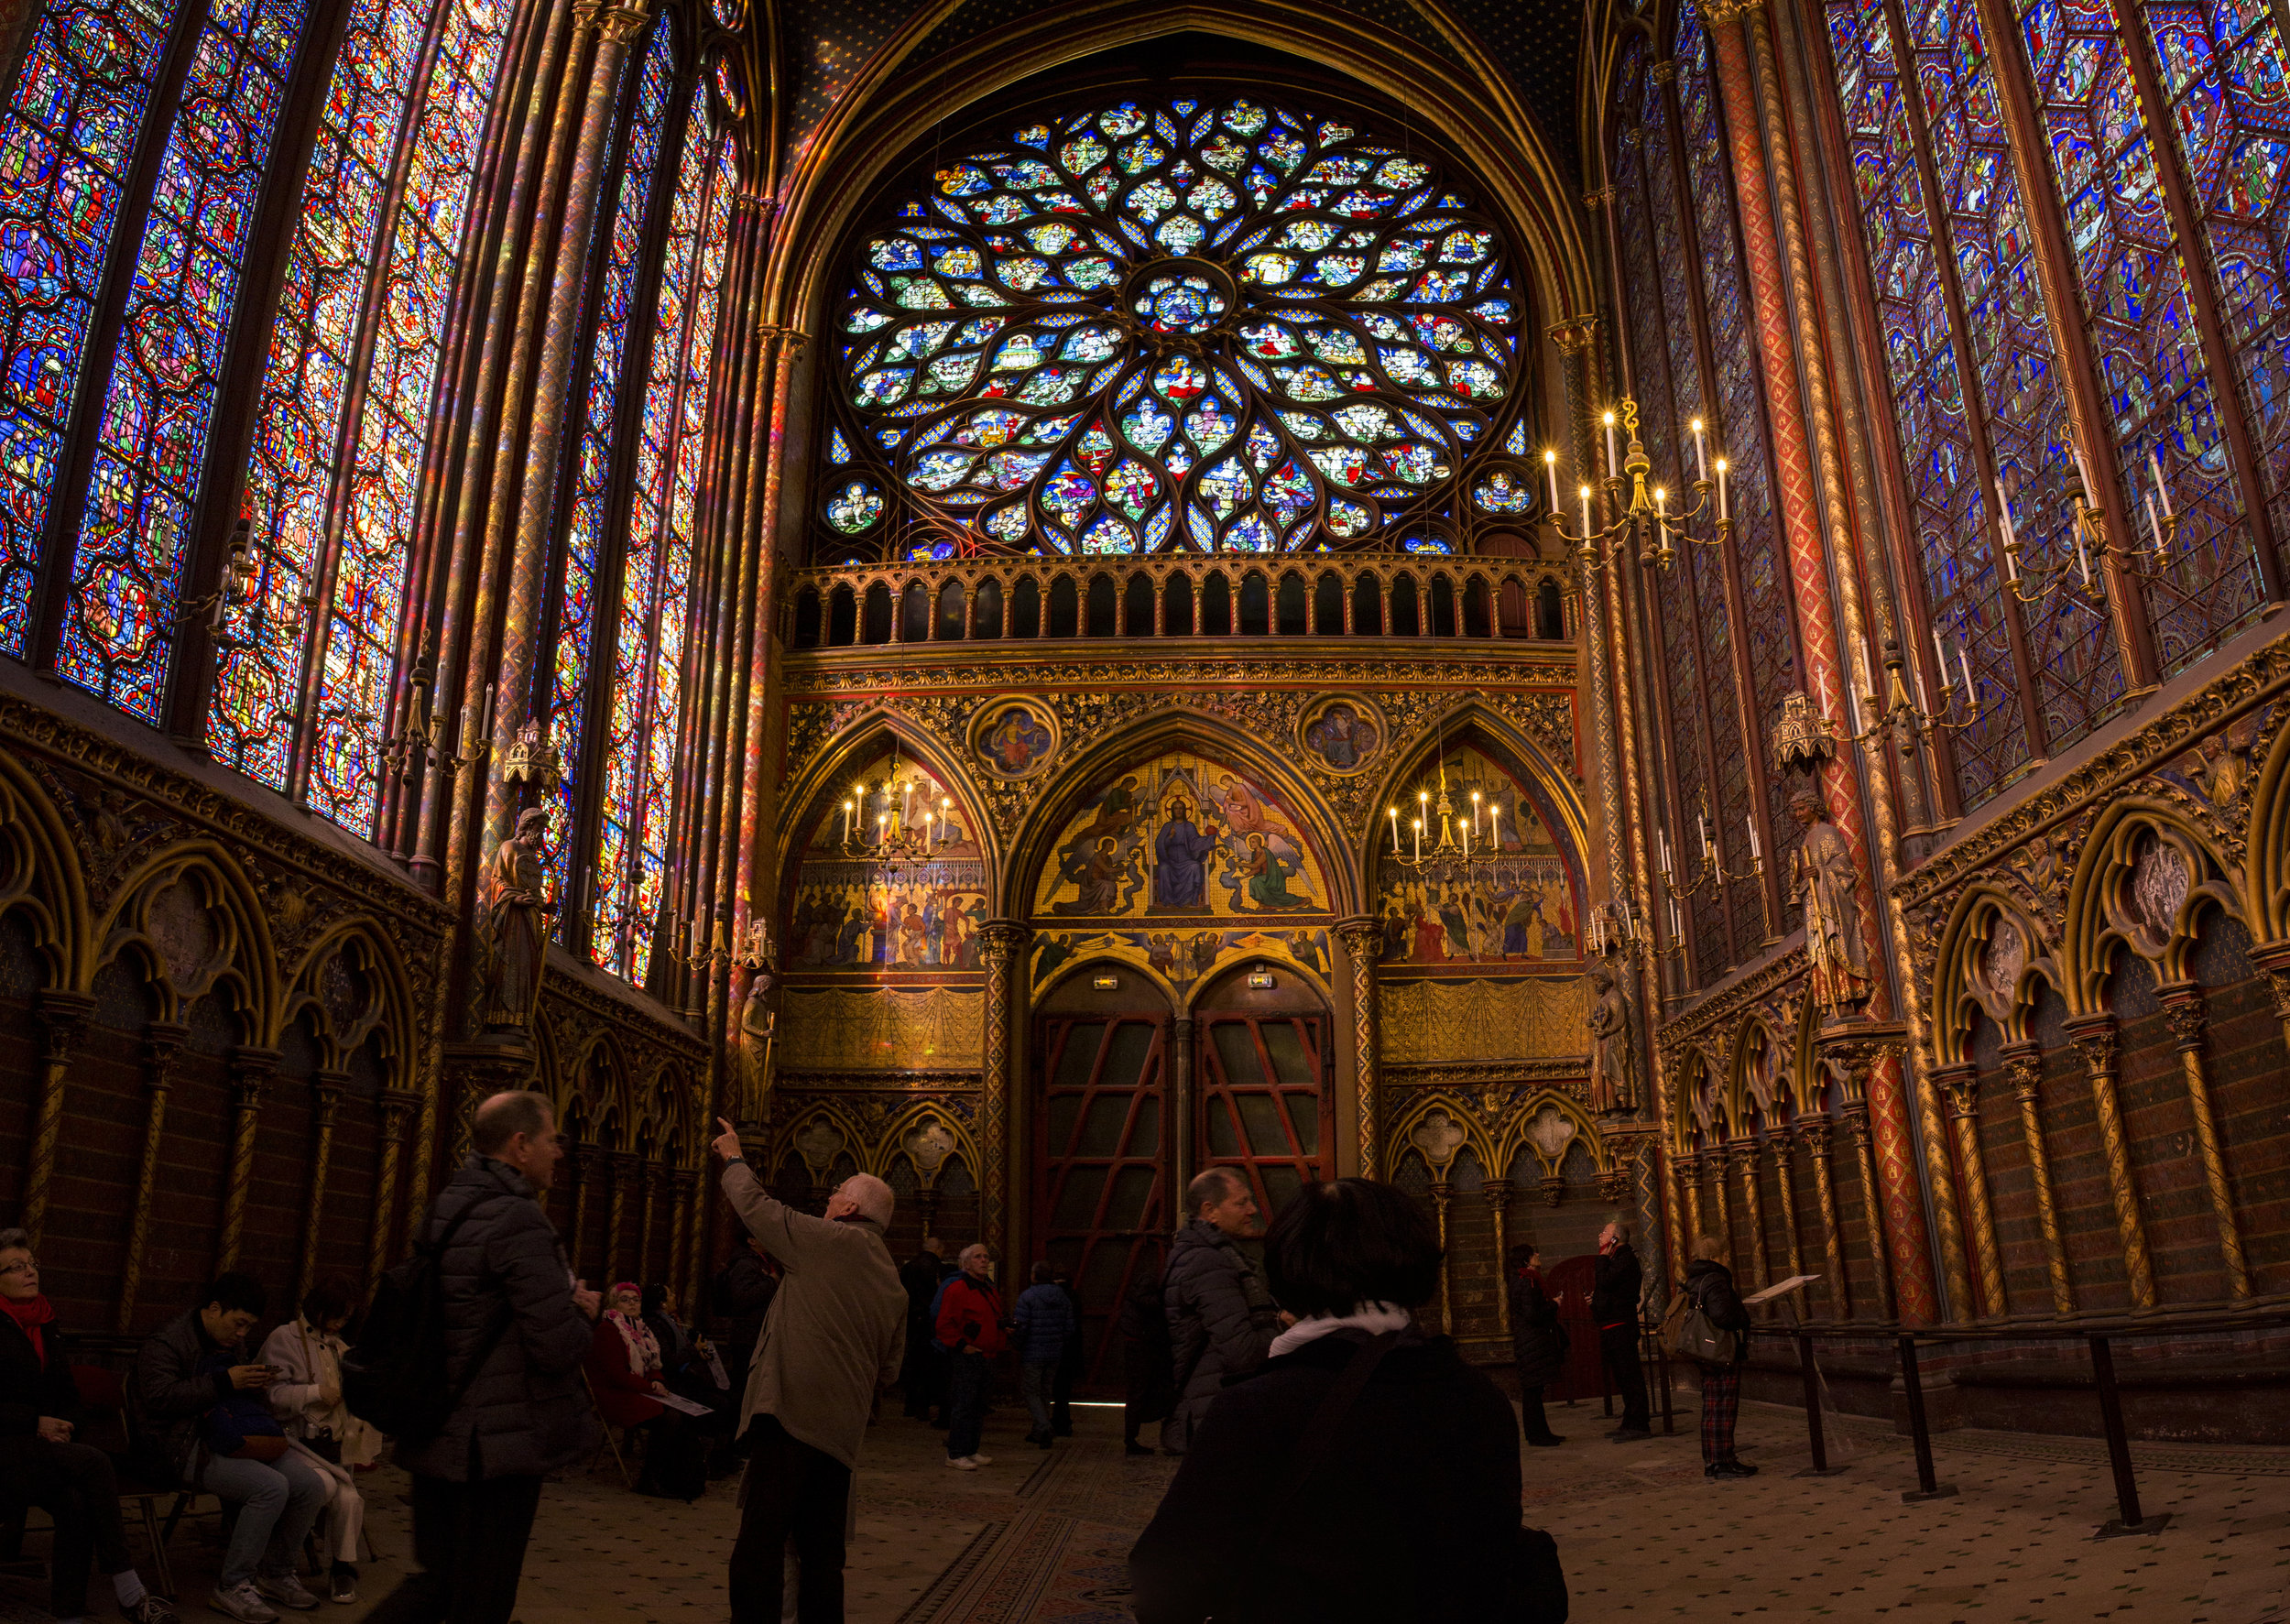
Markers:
2182,1007
590,1162
2094,1036
162,1041
61,1016
1442,1191
623,1171
397,1104
651,1179
1689,1176
250,1069
1785,1176
1714,1162
1812,1132
326,1090
684,1255
1363,943
1856,1114
1497,1193
1743,1157
1961,1086
1005,941
2024,1064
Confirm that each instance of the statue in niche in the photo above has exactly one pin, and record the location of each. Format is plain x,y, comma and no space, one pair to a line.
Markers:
1826,885
757,1024
1613,1067
515,902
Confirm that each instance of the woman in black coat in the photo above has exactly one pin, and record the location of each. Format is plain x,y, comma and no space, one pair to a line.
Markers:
1538,1344
39,1464
1710,1284
1408,1507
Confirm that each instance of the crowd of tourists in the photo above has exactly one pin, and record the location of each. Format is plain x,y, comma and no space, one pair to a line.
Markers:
1338,1461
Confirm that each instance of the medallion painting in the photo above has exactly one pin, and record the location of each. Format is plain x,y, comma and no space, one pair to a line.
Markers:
1524,907
854,912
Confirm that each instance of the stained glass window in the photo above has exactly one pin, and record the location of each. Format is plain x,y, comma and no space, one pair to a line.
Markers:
151,438
592,455
65,140
629,871
2132,275
305,384
1216,325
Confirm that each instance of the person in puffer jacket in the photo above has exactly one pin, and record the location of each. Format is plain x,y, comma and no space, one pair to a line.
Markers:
1221,1319
1040,1329
524,1412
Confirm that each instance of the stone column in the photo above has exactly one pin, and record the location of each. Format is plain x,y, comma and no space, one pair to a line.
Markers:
2094,1036
1785,1177
250,1069
326,1090
1442,1191
1714,1162
2024,1064
1497,1193
1689,1176
1182,1112
1961,1086
2182,1007
1004,941
684,1266
1813,1133
651,1179
162,1041
2273,960
623,1170
61,1017
590,1162
1363,944
1743,1156
398,1104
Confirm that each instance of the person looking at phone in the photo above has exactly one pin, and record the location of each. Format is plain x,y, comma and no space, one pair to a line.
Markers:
202,1398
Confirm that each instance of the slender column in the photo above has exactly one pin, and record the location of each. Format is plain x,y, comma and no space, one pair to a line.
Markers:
589,1162
61,1017
398,1104
1689,1177
1785,1174
250,1069
2182,1007
2273,960
623,1171
1871,1204
1442,1191
1005,941
1714,1162
1181,1110
685,1188
1960,1085
1744,1160
2094,1036
650,1180
1497,1193
162,1042
1813,1133
326,1090
1363,941
2024,1064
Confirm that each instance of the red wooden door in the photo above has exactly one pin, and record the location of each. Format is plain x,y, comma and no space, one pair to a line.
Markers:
1264,1093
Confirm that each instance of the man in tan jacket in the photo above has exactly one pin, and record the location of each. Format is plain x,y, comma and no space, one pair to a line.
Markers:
833,1337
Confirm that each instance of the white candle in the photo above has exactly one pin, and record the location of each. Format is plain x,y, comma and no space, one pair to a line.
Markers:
1550,467
2083,470
2083,561
1852,708
1662,840
1586,513
1966,665
1721,491
1494,835
2003,523
1701,458
1466,843
1395,831
1613,462
1418,840
2155,528
1940,655
2154,461
847,810
1475,812
1750,825
1701,821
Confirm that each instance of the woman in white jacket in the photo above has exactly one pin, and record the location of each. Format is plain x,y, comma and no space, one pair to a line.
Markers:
306,1397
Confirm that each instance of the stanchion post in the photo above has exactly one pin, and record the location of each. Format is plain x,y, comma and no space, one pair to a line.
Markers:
1928,1487
1813,1426
2129,1522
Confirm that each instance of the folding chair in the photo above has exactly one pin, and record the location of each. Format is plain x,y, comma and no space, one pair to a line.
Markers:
103,1395
611,1442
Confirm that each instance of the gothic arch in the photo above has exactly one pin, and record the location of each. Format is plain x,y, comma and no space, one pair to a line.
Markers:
41,876
198,925
388,1009
929,1118
1520,1132
812,796
1439,1126
2267,870
1977,969
2125,893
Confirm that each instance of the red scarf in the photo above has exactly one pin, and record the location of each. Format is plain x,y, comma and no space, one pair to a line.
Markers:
30,1314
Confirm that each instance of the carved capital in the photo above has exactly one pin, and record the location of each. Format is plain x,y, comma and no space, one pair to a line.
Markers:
396,1104
2278,984
2184,1009
1498,1193
1854,1049
251,1068
619,25
1554,1191
1362,936
1813,1133
1600,198
163,1043
1664,73
1002,940
326,1090
1961,1085
774,334
1575,335
2024,1064
63,1017
2094,1036
1720,12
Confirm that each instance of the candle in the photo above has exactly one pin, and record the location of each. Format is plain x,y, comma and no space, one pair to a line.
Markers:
2083,472
2155,461
1494,835
1613,462
1395,831
1550,467
1966,665
1701,458
1586,513
847,810
1701,821
1721,490
1418,840
1466,843
2083,561
2004,519
1475,812
1852,709
1750,825
2155,528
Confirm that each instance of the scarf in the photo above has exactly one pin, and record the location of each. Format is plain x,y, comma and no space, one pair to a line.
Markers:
1375,1318
30,1314
643,1347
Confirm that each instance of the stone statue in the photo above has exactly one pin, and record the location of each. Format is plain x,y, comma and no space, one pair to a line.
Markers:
1826,885
514,935
758,1025
1613,1069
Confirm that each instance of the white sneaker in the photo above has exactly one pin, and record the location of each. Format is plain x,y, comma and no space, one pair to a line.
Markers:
962,1463
243,1602
286,1589
981,1460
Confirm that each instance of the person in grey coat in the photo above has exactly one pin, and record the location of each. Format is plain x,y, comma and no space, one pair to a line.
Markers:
1221,1319
525,1411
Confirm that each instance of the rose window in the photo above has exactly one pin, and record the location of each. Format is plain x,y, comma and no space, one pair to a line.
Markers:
1212,325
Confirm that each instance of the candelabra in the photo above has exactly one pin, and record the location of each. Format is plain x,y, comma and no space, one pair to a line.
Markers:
1647,512
423,740
1451,859
1613,927
1901,711
1714,871
236,591
898,839
753,953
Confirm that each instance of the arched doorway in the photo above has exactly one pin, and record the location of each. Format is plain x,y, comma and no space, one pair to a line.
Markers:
1266,1080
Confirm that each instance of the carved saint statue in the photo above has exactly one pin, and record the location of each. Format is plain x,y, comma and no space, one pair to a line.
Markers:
1613,1069
756,1025
1826,883
514,935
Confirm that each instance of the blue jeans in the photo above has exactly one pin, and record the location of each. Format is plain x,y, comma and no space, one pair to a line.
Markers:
1034,1385
966,1402
278,1501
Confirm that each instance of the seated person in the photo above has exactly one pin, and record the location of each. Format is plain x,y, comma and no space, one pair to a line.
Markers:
39,1463
203,1401
689,1364
306,1397
624,1368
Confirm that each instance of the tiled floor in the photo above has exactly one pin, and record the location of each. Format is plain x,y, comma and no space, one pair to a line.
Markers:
1035,1539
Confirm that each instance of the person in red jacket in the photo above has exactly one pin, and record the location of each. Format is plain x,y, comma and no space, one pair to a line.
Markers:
970,1329
624,1368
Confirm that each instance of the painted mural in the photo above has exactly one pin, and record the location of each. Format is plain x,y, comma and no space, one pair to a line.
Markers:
1181,958
1524,905
851,912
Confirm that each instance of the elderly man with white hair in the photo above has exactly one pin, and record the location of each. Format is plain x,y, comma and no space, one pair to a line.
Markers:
834,1335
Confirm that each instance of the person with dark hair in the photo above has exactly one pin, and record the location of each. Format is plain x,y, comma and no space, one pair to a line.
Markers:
516,1328
1366,1471
969,1327
1538,1344
203,1401
923,1375
306,1397
1710,1283
1069,1371
1147,1366
41,1464
1221,1319
1615,1284
1039,1326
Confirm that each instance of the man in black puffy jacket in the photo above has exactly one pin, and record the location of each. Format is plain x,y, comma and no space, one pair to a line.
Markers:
1616,1283
1221,1319
525,1411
